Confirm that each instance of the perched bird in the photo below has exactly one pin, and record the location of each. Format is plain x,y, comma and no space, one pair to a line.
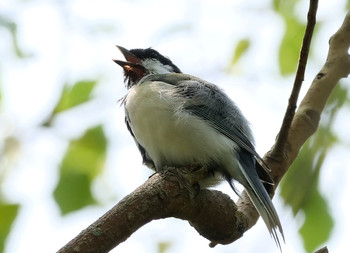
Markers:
180,120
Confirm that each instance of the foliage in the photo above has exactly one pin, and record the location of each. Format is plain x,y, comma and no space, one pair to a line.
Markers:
291,41
76,95
72,96
289,49
299,187
8,214
241,48
83,161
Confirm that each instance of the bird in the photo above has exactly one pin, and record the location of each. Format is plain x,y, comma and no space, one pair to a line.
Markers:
179,120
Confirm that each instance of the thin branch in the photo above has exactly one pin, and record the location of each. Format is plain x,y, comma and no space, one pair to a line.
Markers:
299,78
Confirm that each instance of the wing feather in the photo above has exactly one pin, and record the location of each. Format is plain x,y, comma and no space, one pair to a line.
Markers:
222,113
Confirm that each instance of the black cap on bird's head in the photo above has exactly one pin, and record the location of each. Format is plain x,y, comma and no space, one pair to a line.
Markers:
141,62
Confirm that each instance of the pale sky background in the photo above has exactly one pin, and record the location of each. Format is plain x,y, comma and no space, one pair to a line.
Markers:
67,43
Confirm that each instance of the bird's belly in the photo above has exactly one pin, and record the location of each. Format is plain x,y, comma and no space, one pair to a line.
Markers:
171,135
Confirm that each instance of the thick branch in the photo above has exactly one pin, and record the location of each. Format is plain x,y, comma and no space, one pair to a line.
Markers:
168,194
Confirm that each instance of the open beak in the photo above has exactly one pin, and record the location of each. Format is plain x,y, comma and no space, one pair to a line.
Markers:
128,56
133,69
131,60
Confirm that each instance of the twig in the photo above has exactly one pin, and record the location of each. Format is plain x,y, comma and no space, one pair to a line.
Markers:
299,78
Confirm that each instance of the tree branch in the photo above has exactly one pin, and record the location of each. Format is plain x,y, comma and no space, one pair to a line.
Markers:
170,193
173,192
307,117
322,250
299,78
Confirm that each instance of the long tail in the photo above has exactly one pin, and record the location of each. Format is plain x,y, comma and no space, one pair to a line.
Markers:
265,208
259,196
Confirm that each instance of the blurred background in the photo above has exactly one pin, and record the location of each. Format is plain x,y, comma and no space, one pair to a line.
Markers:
66,156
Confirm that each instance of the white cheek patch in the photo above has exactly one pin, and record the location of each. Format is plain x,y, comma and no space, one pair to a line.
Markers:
155,67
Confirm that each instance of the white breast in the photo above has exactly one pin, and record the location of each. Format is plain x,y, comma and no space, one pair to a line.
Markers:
170,135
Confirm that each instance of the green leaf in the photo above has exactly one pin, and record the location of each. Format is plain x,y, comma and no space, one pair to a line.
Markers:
299,187
290,45
299,174
8,213
241,48
79,93
72,96
318,222
292,39
73,192
83,161
284,7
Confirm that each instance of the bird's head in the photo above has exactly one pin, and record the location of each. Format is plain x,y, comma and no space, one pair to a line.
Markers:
141,62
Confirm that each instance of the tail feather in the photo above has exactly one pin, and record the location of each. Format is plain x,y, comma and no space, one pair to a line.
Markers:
259,196
265,208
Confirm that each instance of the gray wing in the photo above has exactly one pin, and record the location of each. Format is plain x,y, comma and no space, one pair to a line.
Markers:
210,103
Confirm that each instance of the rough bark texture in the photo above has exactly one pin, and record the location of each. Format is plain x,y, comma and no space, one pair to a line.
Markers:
171,193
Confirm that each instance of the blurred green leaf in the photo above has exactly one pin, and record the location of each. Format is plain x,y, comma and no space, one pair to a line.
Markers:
284,7
87,154
72,96
290,45
83,161
8,213
73,192
241,48
77,94
318,222
301,175
299,187
292,38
